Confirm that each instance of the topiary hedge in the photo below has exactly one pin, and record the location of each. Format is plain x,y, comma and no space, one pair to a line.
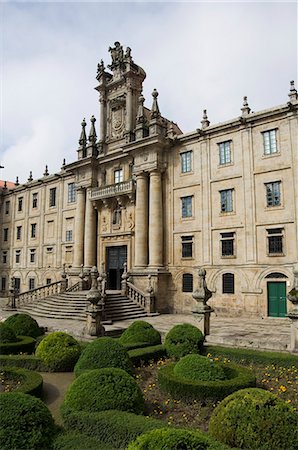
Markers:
24,344
175,439
59,352
140,332
25,423
182,388
183,339
103,389
199,368
114,428
255,419
103,352
29,382
144,355
24,325
7,335
77,441
29,362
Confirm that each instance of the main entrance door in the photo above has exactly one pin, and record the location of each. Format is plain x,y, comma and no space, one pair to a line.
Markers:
277,300
116,257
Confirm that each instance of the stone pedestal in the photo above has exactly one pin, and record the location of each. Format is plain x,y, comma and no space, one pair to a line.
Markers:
95,309
202,311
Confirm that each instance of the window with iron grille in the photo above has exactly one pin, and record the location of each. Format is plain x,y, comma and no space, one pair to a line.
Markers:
186,206
187,244
18,256
228,283
19,233
224,152
33,230
275,241
227,244
273,193
34,200
20,204
5,234
7,207
31,284
71,193
270,142
226,200
187,282
52,200
186,161
118,176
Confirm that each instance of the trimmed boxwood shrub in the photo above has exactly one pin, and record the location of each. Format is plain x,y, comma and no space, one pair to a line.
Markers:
29,362
59,351
197,367
184,339
255,419
7,335
30,382
140,332
77,441
25,423
175,439
115,428
144,355
24,344
103,352
24,325
103,389
178,387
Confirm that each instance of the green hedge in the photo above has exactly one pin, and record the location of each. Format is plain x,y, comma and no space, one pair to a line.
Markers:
183,339
247,356
29,362
30,382
59,351
140,332
115,428
199,368
144,355
180,388
255,419
77,441
25,344
175,439
24,325
7,335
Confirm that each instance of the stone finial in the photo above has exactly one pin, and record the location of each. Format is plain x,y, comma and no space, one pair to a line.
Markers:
30,176
140,113
293,95
46,172
83,137
245,108
155,109
92,134
17,181
5,185
205,122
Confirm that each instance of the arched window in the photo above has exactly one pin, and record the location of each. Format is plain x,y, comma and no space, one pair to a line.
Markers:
228,283
276,275
187,282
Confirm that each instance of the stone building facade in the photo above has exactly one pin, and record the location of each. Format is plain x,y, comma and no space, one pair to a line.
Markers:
224,197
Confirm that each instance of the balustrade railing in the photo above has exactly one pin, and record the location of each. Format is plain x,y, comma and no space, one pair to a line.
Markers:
39,293
145,300
125,187
74,287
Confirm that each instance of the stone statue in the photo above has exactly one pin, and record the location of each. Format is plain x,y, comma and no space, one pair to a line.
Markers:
116,54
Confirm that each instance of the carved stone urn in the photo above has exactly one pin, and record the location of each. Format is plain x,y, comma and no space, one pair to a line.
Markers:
201,295
95,308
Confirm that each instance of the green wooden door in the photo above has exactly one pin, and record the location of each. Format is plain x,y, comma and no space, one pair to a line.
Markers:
277,300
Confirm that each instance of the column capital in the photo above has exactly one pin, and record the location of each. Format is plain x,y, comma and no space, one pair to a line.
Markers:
141,174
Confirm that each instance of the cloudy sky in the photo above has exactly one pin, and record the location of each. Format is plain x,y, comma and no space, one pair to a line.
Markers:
198,55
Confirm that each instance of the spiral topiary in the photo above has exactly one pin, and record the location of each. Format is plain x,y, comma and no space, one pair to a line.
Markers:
25,423
140,332
24,325
7,335
103,352
255,419
183,339
196,367
103,389
59,351
175,439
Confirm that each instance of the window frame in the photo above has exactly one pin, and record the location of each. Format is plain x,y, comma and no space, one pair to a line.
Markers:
68,235
5,234
32,255
227,238
18,256
35,200
71,193
228,283
187,207
185,282
33,230
118,176
226,202
225,148
270,147
273,200
187,247
31,284
7,207
53,197
277,235
20,204
186,161
19,233
4,256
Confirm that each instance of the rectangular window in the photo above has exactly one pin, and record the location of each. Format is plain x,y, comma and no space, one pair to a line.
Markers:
33,230
68,235
186,206
273,193
19,233
118,176
187,282
5,234
275,241
225,152
34,200
187,243
31,284
227,244
226,200
52,197
4,257
18,256
20,204
71,198
3,284
228,283
48,281
32,255
186,161
7,207
270,143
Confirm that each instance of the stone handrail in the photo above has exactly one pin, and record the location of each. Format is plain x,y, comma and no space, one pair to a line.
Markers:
145,300
125,187
74,287
41,292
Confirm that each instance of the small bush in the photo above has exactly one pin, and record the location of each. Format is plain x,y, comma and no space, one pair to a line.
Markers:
29,382
103,352
24,325
103,389
183,339
24,344
140,332
144,355
59,351
77,441
197,367
29,362
25,423
175,439
7,335
178,387
255,419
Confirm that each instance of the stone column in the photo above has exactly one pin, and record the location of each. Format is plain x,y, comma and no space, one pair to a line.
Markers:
90,234
141,221
103,118
155,220
78,258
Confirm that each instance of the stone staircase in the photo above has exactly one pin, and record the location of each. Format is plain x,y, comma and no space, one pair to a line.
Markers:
72,305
